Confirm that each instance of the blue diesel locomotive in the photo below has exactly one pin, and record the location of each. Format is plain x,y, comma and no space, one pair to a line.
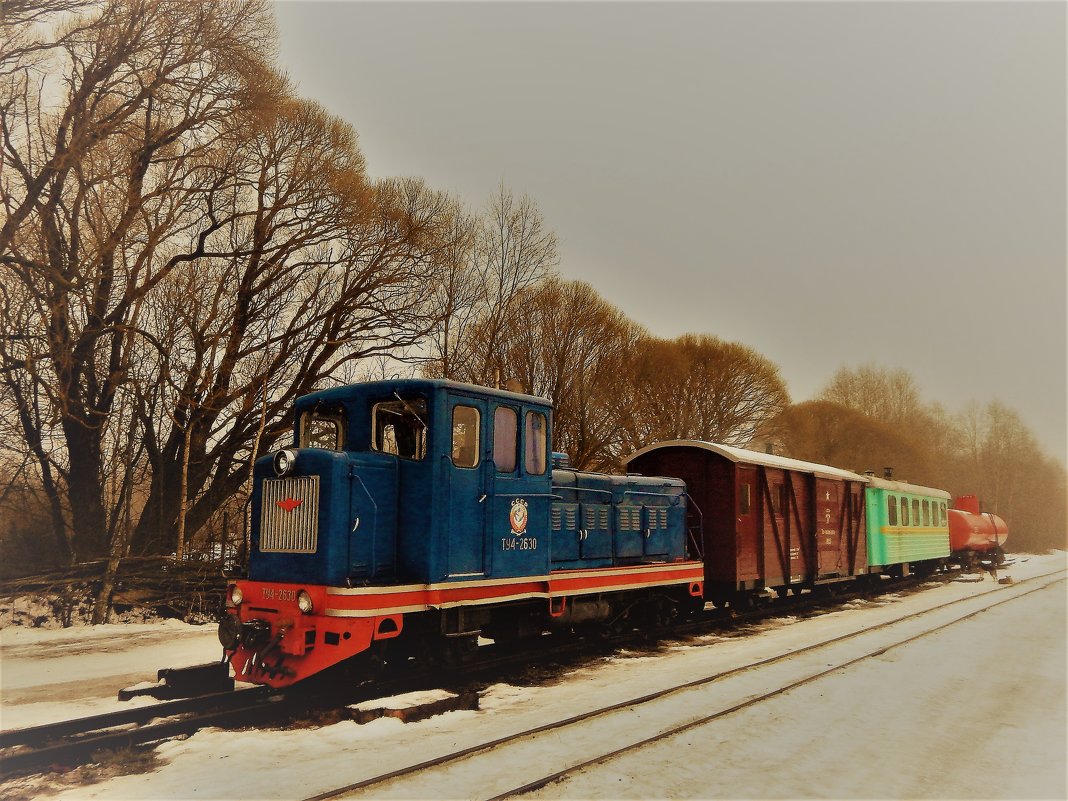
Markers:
417,515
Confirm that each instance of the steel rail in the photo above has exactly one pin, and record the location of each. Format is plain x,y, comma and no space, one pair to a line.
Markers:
474,750
140,715
561,774
102,732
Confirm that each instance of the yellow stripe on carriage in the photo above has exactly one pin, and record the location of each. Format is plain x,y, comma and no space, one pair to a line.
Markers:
913,530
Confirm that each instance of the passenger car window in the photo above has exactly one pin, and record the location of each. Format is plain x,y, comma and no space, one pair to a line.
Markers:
324,430
465,422
535,435
505,438
915,512
943,513
399,427
904,511
891,510
927,513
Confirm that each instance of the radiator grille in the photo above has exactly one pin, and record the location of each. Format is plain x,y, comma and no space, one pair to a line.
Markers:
630,518
595,517
296,530
656,517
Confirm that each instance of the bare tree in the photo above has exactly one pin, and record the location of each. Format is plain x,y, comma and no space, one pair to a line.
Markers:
829,433
511,249
699,387
456,299
97,177
888,395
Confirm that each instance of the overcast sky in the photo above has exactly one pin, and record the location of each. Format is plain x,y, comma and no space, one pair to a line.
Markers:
828,183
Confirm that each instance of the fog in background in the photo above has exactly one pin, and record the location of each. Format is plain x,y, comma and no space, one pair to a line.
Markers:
829,183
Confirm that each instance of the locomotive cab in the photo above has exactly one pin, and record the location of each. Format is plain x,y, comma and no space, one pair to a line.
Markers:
405,481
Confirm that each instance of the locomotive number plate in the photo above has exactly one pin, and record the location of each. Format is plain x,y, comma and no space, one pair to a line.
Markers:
274,594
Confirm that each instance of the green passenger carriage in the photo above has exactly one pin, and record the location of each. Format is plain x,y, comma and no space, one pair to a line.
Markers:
906,523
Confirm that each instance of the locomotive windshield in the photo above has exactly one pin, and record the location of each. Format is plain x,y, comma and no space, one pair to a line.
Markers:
398,427
323,428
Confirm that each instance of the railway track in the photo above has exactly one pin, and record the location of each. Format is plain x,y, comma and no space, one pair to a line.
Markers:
74,742
612,718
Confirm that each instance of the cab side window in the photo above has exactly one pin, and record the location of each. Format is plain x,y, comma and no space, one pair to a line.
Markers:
536,432
465,423
505,439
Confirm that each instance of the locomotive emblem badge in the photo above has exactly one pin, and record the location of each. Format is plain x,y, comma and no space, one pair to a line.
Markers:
518,516
289,504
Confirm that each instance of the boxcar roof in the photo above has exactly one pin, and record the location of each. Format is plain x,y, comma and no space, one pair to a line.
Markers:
904,486
742,456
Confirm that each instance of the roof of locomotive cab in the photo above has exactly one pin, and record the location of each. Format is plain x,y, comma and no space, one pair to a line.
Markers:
904,486
743,456
349,391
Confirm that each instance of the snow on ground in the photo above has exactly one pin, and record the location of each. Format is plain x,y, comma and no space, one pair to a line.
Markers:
47,675
974,711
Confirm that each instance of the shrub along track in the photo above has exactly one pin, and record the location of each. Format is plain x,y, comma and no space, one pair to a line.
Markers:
74,742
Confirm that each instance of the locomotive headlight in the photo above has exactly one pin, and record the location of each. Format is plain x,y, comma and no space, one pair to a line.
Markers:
304,602
236,596
284,461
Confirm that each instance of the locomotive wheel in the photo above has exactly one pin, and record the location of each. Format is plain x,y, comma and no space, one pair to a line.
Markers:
667,614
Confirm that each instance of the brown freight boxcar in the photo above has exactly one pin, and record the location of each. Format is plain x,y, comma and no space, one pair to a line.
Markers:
767,521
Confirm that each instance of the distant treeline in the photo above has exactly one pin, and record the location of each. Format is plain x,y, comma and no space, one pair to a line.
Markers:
187,246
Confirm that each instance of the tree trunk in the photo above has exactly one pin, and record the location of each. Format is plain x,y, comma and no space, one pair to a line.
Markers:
88,518
102,604
183,500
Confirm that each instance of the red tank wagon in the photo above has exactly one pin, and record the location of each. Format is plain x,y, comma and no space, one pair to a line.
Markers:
975,532
767,521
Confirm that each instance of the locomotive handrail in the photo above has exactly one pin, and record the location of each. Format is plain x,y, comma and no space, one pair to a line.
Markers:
674,501
374,540
700,525
587,489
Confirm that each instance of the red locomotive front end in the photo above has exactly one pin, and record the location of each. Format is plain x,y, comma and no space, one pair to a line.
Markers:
278,634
